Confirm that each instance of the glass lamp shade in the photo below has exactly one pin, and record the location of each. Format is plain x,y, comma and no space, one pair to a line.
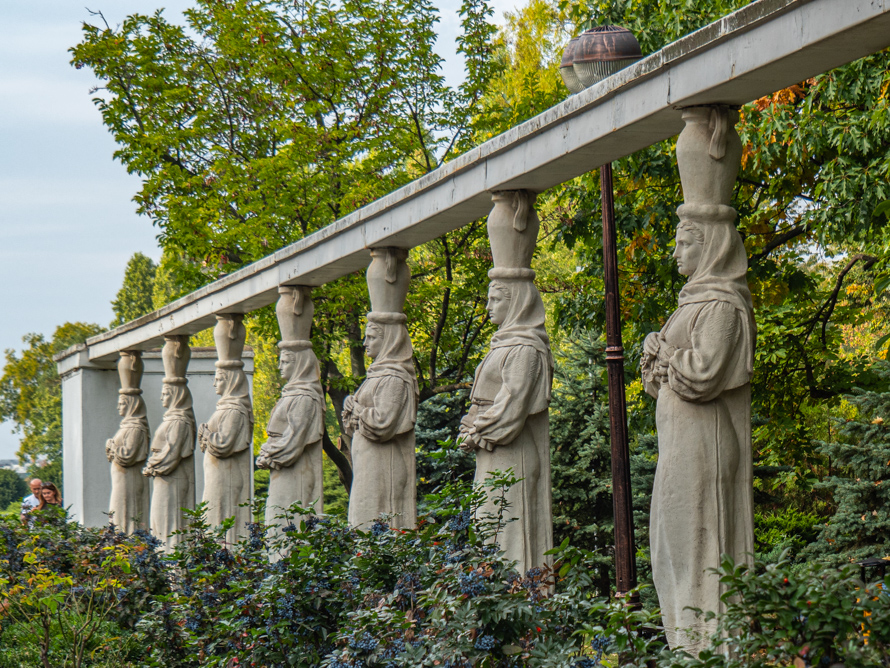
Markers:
567,70
602,51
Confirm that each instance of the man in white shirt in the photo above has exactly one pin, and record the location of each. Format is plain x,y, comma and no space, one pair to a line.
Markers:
33,499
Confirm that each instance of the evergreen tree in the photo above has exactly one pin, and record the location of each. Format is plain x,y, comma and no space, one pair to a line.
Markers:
12,488
860,526
134,299
438,457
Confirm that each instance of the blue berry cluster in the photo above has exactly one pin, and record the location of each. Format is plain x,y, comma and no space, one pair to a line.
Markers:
472,584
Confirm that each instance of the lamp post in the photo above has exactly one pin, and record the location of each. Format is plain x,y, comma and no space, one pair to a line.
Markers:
596,54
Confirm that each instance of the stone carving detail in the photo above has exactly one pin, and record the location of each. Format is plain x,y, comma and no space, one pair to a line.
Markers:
225,438
508,426
128,449
293,452
380,416
699,368
171,463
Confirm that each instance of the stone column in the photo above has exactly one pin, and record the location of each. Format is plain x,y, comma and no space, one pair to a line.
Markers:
293,451
380,416
225,439
508,425
699,368
171,462
128,449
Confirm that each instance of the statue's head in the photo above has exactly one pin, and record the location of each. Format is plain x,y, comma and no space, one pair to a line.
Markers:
373,340
287,364
219,380
166,396
498,305
688,250
123,402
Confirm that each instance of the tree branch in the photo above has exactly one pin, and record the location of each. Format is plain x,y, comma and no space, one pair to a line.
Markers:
777,241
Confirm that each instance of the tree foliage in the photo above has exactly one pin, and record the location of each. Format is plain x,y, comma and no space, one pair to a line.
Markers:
134,299
12,487
31,397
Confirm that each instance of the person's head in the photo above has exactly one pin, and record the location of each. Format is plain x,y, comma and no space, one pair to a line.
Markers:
287,364
498,305
219,381
688,250
373,340
34,484
49,495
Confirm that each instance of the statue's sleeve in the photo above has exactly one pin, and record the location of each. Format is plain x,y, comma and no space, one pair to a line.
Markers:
130,448
226,440
700,373
521,374
167,456
381,421
302,429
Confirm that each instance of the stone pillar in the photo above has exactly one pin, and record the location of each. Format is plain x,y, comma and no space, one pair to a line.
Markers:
380,416
508,425
699,368
293,451
225,439
171,463
127,450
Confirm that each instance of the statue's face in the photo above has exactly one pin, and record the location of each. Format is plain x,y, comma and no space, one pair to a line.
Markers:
219,380
497,305
287,365
166,396
687,252
122,405
373,341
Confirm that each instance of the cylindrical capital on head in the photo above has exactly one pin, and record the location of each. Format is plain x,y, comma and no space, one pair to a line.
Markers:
709,154
176,354
295,346
230,335
388,278
295,310
130,368
706,213
513,228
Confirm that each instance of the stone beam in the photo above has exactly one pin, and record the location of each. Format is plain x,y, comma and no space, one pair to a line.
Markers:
764,47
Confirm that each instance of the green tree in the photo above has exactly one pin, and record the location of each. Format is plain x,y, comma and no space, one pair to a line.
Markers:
135,298
12,487
31,397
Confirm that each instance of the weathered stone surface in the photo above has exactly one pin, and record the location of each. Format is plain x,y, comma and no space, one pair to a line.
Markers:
293,451
699,368
380,416
508,425
128,449
171,463
225,438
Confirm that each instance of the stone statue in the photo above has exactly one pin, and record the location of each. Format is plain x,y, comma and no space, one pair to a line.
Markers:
380,416
225,439
171,463
508,426
699,368
129,448
293,451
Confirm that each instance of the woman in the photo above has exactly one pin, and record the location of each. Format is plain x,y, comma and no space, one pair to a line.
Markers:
380,418
171,463
127,452
699,368
225,440
49,496
508,424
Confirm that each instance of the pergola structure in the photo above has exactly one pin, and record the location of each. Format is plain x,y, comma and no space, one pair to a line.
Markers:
762,48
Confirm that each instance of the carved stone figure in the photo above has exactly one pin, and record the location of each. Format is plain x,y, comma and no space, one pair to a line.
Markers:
128,449
699,368
225,438
508,425
293,451
380,416
171,463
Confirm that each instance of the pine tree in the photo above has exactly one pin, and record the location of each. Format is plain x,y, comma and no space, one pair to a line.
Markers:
860,526
134,299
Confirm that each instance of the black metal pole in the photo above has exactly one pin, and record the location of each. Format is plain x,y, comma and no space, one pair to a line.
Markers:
622,503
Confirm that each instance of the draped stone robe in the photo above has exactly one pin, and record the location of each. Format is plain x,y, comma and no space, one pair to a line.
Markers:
127,452
172,466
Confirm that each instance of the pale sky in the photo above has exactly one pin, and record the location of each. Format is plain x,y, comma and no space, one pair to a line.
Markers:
67,220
